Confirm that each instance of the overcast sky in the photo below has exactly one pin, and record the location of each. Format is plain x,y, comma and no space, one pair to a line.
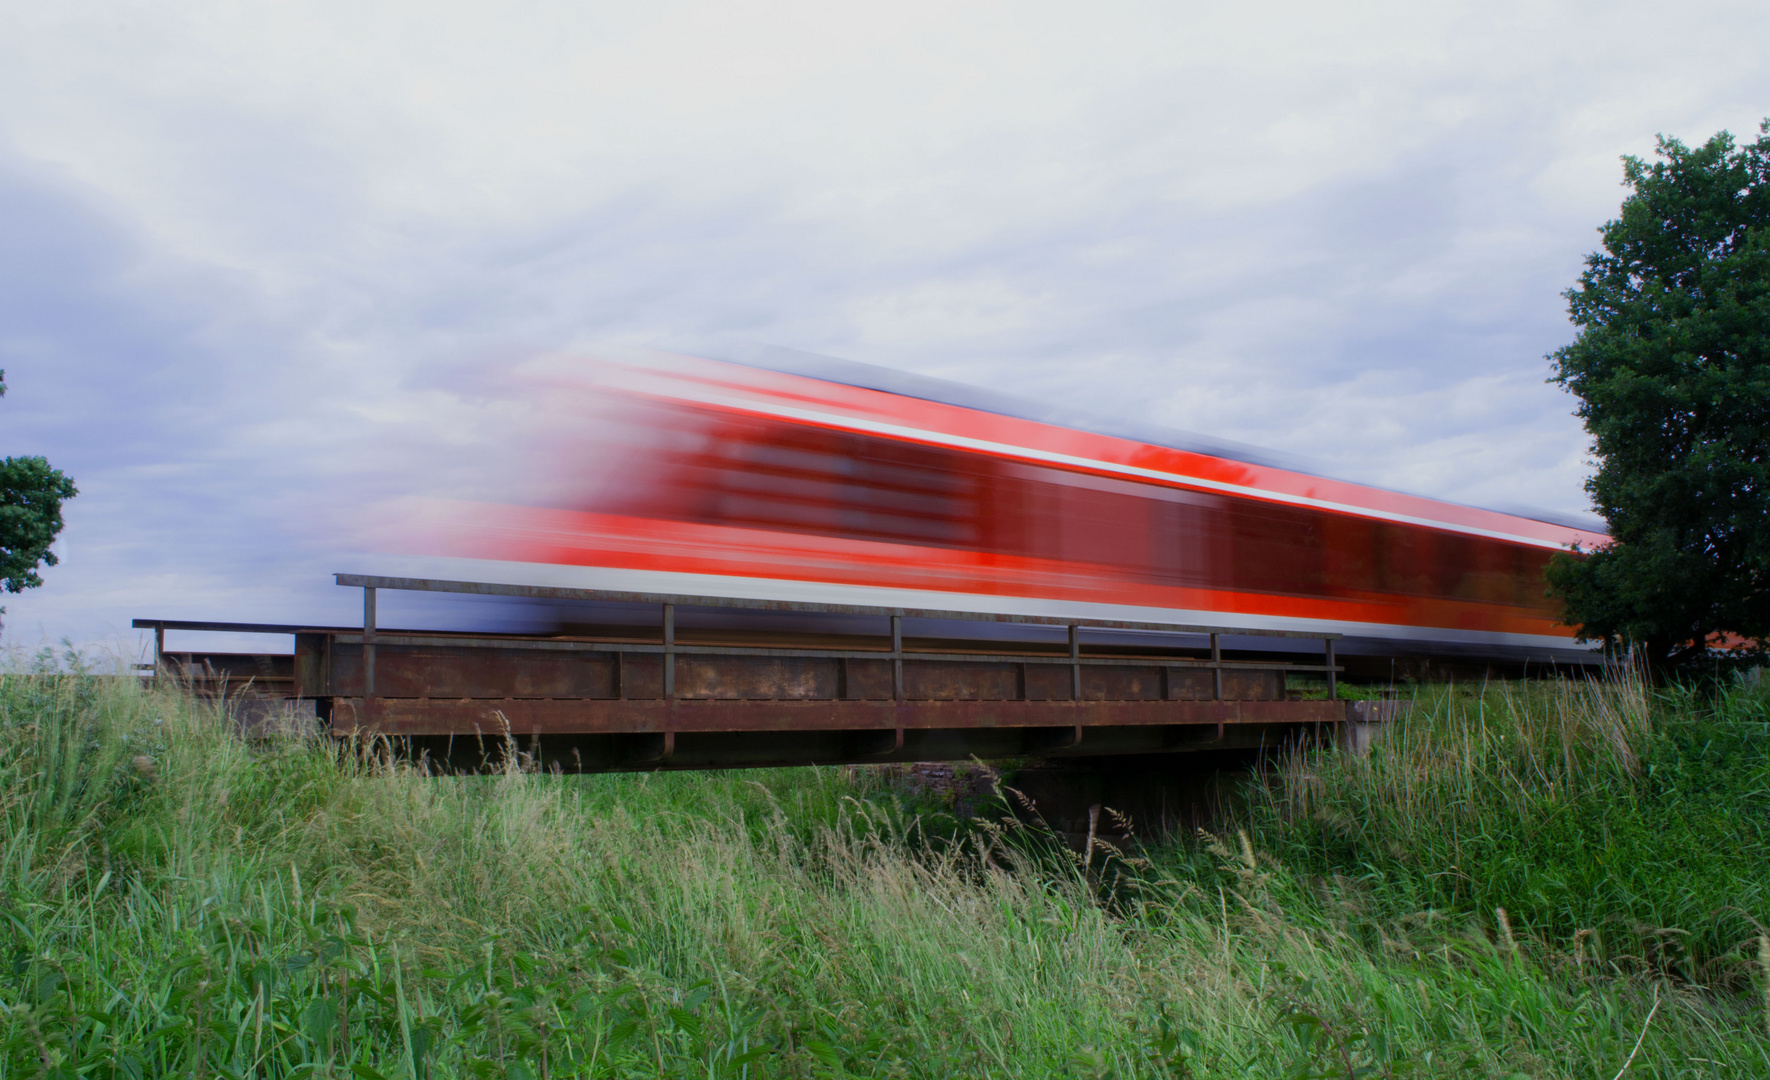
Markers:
248,251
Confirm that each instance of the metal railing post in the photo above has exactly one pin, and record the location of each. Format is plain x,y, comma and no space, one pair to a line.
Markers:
368,641
1333,684
1075,662
897,657
1217,668
669,650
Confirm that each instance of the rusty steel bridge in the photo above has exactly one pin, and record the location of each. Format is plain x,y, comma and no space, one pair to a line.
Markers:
651,692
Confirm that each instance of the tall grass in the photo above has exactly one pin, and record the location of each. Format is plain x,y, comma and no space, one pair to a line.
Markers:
178,902
1588,812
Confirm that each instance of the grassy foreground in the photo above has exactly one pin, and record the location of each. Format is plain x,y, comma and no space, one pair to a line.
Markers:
1560,881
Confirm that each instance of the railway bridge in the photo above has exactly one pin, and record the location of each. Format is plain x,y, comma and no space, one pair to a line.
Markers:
666,681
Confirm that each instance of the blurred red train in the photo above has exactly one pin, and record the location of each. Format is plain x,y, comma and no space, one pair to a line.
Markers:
704,477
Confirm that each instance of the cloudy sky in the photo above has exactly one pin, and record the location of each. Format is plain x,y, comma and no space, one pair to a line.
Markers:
248,252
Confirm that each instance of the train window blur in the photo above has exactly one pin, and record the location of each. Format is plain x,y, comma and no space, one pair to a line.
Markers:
801,479
773,475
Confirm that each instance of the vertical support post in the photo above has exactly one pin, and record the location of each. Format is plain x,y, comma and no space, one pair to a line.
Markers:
1333,685
669,650
1217,667
1075,662
159,649
897,657
368,641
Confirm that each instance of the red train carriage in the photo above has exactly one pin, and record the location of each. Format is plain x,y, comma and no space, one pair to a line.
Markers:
726,480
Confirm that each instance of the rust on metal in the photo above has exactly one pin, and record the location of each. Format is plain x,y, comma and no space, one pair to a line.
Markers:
495,717
676,696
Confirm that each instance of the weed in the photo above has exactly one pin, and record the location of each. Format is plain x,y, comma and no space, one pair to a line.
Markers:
176,902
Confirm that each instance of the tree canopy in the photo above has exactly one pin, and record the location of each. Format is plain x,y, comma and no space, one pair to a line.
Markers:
31,494
1671,365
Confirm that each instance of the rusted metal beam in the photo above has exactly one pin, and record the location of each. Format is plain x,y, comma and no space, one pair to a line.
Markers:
516,670
749,749
493,717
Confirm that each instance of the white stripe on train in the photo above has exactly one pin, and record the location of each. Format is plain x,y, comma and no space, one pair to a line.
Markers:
900,431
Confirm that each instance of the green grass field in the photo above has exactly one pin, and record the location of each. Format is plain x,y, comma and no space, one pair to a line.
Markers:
1536,880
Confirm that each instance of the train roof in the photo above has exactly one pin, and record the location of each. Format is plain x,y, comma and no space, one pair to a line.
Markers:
805,389
943,391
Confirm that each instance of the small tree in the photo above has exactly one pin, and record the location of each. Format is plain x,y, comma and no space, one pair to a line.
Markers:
31,494
1672,368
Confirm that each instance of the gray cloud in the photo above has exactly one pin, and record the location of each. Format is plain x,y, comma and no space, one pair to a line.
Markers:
250,270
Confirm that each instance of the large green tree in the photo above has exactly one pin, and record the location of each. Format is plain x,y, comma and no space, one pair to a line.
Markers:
1672,369
31,494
